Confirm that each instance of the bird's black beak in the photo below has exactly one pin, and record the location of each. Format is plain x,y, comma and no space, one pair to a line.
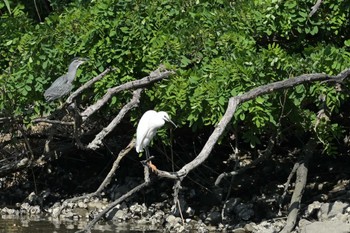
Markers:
83,59
171,122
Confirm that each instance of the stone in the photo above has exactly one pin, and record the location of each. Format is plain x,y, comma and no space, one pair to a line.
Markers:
214,218
55,211
121,215
328,211
138,209
326,227
35,210
244,211
81,204
82,212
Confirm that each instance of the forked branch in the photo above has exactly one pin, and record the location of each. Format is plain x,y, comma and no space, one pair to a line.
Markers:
231,109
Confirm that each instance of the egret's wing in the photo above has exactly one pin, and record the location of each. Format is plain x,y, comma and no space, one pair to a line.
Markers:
141,134
143,131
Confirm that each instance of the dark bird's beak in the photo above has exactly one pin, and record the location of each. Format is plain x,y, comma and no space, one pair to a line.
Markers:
171,122
82,60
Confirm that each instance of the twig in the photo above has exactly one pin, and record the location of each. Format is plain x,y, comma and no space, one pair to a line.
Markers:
263,157
37,11
87,85
115,166
286,185
37,120
177,187
97,142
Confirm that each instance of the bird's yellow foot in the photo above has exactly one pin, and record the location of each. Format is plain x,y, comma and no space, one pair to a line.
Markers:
152,166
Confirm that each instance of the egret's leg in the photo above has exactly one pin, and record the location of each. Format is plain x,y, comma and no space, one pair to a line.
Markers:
150,164
147,153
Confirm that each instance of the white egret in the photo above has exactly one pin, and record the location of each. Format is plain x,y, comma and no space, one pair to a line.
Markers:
148,125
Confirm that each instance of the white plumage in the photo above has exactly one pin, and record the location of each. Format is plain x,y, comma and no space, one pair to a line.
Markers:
148,125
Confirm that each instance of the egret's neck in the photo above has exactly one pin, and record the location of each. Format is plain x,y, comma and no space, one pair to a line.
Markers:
72,71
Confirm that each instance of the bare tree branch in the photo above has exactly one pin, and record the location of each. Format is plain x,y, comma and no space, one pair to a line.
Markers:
232,106
97,142
87,85
126,86
43,119
315,8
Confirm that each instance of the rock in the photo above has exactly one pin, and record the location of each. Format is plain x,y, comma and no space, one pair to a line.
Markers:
312,208
328,211
230,204
239,230
303,223
121,215
268,227
138,209
157,218
95,205
34,210
214,218
81,212
25,206
174,224
82,204
172,220
326,227
250,227
68,215
190,212
244,211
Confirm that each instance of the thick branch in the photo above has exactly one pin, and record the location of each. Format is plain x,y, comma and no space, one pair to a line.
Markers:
126,86
95,144
300,182
232,106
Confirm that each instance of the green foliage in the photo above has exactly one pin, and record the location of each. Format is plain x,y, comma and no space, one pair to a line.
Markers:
218,48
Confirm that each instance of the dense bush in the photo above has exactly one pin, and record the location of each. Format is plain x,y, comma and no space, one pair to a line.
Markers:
218,48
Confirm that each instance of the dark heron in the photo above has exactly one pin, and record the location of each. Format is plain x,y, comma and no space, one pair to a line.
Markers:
63,85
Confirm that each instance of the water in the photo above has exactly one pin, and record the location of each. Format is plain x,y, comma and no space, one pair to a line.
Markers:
11,224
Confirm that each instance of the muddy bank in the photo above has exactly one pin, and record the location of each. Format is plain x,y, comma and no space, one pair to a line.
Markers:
249,203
